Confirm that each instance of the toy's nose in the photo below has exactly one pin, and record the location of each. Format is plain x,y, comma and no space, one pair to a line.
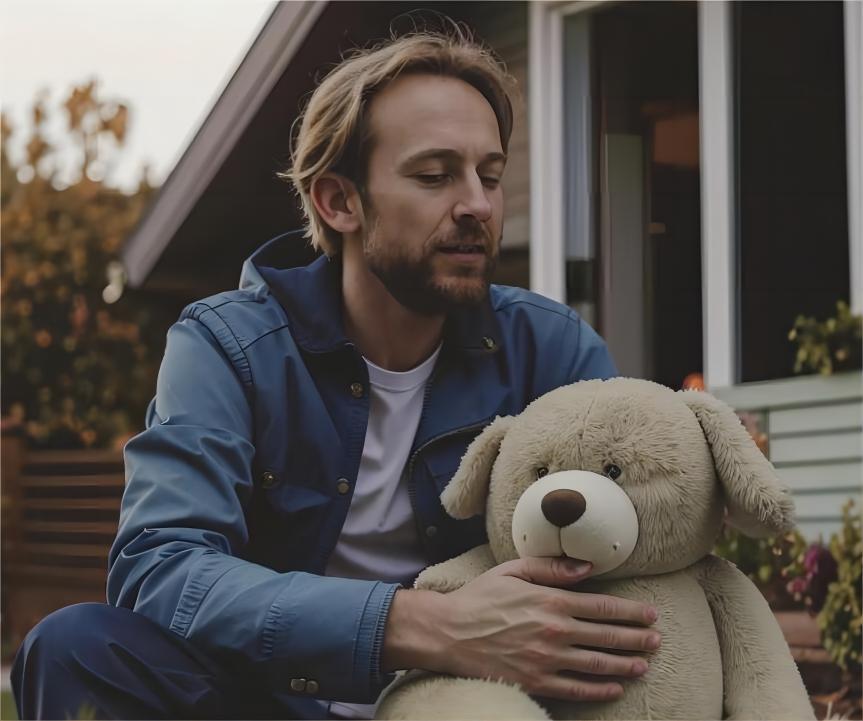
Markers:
562,507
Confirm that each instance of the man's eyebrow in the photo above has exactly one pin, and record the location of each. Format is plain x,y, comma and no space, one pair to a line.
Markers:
447,154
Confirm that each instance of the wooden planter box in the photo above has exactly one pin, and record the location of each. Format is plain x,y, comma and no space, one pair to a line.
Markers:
827,685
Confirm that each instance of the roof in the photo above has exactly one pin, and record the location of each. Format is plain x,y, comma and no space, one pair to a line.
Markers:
246,93
223,199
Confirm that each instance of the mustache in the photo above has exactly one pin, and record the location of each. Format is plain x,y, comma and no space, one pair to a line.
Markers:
473,234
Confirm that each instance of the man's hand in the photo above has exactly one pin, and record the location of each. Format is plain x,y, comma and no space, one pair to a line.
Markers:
510,624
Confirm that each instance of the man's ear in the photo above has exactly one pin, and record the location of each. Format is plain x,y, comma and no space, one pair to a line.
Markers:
465,494
338,203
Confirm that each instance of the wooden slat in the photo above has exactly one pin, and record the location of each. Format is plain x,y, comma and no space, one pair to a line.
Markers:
69,463
70,526
822,475
841,416
100,480
74,457
45,575
790,392
809,449
88,550
71,503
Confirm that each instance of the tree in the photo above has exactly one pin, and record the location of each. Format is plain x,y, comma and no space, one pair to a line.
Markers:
77,370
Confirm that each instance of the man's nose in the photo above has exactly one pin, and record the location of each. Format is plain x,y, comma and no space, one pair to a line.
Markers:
473,201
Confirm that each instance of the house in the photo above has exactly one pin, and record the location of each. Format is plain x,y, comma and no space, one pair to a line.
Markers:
686,175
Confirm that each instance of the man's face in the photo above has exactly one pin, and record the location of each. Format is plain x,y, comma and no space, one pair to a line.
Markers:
434,203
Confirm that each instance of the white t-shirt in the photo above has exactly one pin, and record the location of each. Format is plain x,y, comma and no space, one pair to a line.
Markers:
379,539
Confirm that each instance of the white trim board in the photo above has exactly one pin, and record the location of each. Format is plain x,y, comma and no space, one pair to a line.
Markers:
854,148
716,114
547,183
797,391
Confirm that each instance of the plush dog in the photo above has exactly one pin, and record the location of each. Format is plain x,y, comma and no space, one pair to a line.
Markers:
637,479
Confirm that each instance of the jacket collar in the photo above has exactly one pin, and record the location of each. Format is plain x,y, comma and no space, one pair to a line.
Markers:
311,295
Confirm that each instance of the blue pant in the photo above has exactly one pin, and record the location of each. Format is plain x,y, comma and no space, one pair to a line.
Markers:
97,661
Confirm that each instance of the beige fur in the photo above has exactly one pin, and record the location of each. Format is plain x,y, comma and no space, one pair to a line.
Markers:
685,459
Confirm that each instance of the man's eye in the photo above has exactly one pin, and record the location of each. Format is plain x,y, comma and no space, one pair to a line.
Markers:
430,179
490,181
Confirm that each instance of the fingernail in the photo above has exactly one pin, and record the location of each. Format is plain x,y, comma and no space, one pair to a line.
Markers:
639,667
652,614
577,568
654,640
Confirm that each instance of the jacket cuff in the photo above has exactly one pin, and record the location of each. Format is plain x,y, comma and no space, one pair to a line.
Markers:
376,615
323,637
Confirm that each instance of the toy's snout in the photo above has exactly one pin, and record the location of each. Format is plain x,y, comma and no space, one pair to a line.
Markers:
562,507
577,514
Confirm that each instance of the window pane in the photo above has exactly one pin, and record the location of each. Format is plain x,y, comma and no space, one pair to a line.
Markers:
636,115
793,235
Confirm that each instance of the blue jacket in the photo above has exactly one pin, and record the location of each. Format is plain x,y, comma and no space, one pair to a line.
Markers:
238,488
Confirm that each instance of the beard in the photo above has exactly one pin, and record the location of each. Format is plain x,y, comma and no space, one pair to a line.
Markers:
413,280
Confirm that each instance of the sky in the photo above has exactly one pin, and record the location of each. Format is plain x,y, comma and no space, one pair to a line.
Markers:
169,61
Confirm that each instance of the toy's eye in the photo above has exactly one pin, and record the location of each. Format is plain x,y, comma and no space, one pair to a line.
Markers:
612,471
541,471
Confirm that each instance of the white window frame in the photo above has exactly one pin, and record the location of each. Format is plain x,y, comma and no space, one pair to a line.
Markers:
718,214
545,124
716,132
854,149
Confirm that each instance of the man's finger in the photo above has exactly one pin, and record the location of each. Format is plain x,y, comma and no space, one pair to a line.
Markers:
559,572
569,689
621,638
598,663
596,606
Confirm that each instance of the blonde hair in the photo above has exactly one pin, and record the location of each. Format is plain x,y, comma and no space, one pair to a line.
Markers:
333,133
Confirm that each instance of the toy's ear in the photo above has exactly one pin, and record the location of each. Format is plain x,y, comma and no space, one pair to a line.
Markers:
758,504
465,494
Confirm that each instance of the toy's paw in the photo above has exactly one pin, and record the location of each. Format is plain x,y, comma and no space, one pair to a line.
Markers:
436,578
456,572
421,695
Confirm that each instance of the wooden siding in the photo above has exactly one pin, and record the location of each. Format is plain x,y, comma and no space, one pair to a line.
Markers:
506,31
815,430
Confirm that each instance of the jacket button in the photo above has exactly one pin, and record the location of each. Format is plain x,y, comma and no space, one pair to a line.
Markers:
488,343
431,531
268,479
298,684
312,686
357,390
343,486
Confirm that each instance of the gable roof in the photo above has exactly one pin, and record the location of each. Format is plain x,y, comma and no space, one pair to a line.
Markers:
268,58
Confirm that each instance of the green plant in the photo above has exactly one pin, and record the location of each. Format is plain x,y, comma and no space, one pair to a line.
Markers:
829,346
841,618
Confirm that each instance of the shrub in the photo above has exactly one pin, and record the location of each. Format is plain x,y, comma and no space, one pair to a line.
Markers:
79,365
763,560
830,346
840,618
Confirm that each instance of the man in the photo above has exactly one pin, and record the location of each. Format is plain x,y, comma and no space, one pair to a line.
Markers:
285,492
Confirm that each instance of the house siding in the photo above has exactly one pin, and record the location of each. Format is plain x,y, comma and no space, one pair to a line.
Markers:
506,31
815,430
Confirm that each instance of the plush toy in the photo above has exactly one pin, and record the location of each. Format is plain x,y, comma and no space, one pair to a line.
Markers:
637,479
